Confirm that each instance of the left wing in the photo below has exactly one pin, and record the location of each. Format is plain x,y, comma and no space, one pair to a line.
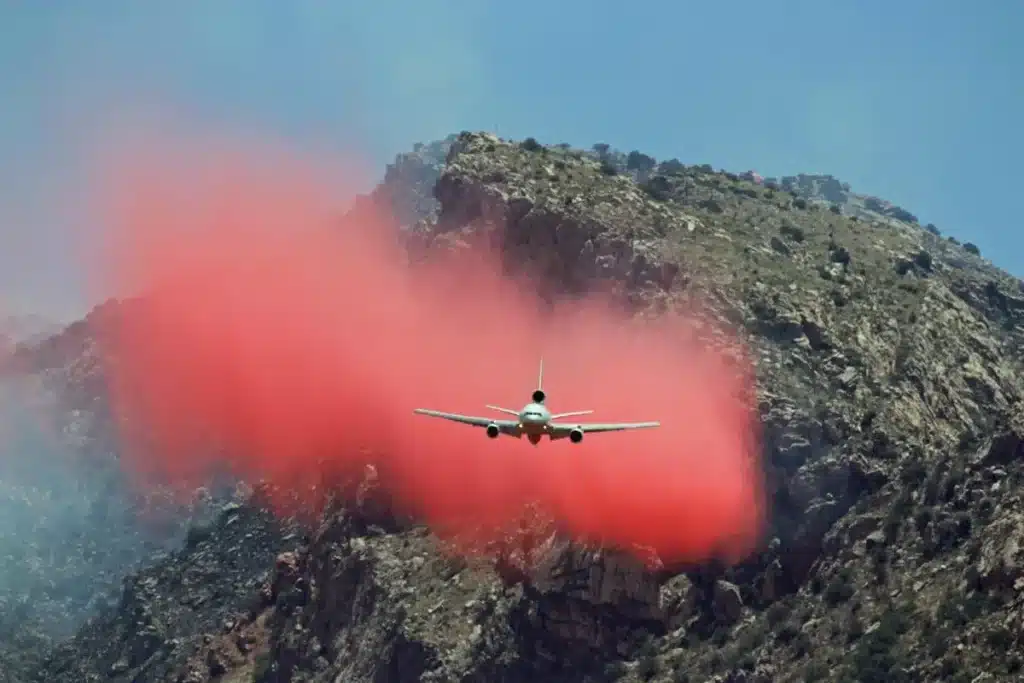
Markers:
561,430
506,426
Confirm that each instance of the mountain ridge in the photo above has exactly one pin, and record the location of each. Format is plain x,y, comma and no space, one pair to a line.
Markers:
889,390
421,166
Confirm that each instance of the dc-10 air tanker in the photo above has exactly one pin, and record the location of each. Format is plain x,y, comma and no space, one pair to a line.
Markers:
535,421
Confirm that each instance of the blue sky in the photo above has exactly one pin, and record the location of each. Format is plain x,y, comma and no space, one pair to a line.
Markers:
915,101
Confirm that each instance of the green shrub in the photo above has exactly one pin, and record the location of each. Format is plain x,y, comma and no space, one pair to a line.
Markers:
531,145
646,668
839,590
637,161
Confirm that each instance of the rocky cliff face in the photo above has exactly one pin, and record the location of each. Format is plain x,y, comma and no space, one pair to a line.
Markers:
889,386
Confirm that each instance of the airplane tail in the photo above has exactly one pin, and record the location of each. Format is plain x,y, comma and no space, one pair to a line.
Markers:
538,394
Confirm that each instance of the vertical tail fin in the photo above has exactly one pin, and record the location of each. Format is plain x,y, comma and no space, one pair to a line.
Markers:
538,393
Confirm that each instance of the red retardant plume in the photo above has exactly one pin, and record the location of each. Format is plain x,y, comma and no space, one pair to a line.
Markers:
290,338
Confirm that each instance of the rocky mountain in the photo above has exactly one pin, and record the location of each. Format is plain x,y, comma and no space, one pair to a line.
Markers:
408,186
889,389
410,181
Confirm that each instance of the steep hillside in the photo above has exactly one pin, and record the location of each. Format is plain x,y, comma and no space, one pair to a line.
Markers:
889,385
70,529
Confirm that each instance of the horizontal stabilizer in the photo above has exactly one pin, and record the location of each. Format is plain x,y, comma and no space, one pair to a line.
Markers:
507,411
572,414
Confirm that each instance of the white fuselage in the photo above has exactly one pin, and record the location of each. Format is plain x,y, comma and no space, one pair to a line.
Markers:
533,420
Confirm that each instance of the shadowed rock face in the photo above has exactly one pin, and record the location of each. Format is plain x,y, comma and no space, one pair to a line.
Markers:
889,388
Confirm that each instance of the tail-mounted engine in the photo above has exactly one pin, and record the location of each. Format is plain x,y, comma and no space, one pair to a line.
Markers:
576,435
538,396
493,431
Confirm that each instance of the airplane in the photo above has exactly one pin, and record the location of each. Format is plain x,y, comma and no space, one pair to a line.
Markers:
535,421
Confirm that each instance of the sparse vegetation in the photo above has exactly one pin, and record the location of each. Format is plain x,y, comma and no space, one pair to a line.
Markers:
877,656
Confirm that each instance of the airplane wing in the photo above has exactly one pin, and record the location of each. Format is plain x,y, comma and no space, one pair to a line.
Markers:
560,430
506,426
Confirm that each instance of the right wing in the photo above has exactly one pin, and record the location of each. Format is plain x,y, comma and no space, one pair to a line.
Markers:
561,430
510,427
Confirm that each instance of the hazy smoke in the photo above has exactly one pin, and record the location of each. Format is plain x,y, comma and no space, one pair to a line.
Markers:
68,527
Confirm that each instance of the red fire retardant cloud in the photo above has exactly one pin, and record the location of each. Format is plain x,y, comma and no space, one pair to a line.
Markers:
290,339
